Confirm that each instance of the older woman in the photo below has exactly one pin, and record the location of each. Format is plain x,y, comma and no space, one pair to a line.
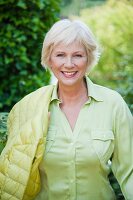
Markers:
89,131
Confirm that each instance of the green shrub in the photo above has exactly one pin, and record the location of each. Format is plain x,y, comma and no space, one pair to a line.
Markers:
112,24
23,25
3,130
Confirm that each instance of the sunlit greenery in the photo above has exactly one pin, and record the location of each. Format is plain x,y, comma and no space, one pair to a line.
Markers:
73,7
112,24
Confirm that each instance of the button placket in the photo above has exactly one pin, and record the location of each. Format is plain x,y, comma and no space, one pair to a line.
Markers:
72,175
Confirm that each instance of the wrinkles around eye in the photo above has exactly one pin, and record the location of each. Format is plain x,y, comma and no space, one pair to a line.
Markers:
60,55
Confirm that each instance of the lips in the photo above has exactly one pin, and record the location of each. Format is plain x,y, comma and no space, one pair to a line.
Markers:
69,74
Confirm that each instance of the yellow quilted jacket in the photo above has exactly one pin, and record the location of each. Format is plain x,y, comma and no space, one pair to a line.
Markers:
27,129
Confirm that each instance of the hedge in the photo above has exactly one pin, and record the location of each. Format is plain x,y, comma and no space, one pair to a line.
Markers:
23,25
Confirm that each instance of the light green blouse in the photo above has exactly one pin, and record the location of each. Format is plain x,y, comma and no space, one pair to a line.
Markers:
76,163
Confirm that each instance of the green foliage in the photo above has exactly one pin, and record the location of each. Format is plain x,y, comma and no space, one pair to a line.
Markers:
3,130
23,25
112,24
73,7
116,187
66,2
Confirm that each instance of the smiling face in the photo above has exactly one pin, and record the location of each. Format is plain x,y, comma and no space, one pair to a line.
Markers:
69,63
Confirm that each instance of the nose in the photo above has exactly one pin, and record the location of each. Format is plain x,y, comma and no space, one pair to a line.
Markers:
69,62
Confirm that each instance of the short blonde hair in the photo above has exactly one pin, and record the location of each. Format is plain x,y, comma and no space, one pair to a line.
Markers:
66,31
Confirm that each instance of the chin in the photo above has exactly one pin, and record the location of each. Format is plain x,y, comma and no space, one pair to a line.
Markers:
68,82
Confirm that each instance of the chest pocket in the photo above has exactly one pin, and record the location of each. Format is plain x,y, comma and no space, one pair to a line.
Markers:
103,143
50,139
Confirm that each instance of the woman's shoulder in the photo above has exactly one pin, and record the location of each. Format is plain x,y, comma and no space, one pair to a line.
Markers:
108,94
37,93
102,93
31,100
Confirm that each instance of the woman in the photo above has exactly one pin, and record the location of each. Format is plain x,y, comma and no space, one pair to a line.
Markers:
87,133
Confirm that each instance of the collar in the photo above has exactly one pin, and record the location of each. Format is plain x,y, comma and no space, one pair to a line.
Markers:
55,94
93,91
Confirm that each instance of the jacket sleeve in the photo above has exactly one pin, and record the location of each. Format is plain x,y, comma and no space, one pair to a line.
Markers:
19,160
12,127
122,160
13,122
9,159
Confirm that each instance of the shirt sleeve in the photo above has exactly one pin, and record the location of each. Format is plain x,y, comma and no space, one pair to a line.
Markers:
122,160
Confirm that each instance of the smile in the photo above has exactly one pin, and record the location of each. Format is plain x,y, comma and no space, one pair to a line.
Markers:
69,74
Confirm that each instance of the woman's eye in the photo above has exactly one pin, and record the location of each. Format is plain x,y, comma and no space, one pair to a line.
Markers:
78,55
60,55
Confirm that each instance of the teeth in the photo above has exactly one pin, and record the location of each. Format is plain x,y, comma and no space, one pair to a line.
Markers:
69,73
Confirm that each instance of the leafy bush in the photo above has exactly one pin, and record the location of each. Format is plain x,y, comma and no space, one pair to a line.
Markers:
3,130
112,24
23,25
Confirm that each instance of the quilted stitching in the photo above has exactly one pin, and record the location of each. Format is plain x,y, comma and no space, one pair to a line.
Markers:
18,172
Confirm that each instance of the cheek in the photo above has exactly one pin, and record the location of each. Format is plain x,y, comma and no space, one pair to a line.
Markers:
83,64
55,66
56,62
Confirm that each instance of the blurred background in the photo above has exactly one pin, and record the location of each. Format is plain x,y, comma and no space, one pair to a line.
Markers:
23,25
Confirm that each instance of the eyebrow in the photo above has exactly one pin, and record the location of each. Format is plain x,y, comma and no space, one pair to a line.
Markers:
59,52
73,52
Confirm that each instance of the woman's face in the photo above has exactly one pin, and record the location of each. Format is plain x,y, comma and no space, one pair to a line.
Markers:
69,63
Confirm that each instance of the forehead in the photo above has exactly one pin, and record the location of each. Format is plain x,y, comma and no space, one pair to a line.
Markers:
72,47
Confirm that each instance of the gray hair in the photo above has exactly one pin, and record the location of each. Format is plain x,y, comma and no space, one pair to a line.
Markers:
66,31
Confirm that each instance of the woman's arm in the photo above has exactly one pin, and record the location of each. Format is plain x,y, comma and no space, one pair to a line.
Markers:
122,160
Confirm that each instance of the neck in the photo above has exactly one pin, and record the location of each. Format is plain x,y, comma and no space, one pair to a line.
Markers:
71,95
